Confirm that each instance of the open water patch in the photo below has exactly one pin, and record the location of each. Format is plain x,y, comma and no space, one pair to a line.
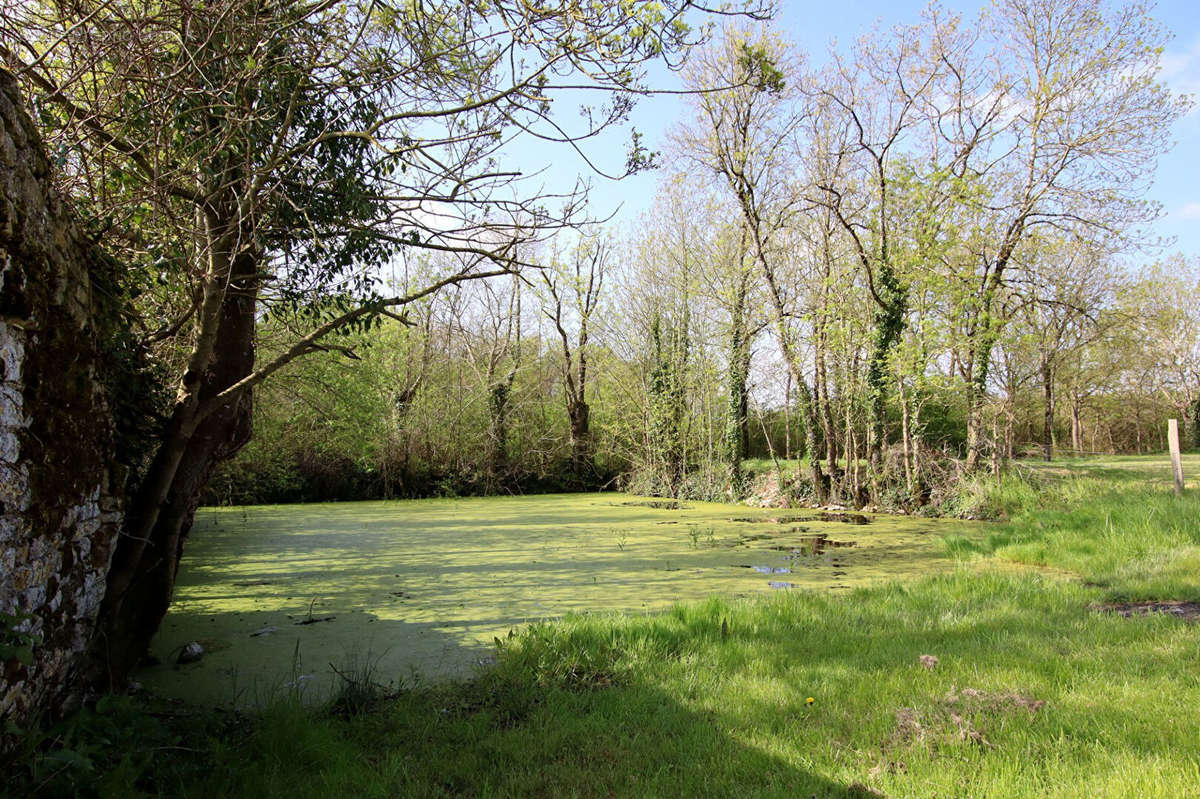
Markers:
813,545
765,569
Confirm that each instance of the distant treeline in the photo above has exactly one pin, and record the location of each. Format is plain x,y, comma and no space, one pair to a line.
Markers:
416,411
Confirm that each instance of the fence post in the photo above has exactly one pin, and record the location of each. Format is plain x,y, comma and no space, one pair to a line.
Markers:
1176,458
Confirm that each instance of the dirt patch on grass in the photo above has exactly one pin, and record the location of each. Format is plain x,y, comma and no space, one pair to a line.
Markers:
972,699
1183,610
960,716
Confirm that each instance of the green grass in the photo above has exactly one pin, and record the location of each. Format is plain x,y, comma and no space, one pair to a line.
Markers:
1115,523
1035,692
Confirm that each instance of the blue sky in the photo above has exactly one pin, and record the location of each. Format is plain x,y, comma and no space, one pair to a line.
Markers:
814,25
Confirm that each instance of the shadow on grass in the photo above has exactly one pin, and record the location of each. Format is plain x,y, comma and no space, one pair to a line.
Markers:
492,738
254,658
575,725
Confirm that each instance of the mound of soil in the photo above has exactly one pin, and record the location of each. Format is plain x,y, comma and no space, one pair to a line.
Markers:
1184,610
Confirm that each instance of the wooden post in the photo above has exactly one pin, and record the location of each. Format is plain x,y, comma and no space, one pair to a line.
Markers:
1176,459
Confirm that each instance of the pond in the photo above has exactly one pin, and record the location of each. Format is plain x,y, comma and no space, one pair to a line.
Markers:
283,597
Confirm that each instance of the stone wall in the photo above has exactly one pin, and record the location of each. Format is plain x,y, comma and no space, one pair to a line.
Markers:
59,513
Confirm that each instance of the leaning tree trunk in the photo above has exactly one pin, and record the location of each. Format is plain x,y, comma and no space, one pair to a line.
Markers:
142,577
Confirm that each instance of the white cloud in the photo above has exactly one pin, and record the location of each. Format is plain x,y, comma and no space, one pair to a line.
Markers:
1189,211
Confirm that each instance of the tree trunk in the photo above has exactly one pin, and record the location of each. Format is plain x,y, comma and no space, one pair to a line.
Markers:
1196,423
1048,410
498,408
995,439
1076,426
142,576
983,340
791,358
974,426
825,409
977,391
737,410
579,421
910,483
889,325
787,418
920,490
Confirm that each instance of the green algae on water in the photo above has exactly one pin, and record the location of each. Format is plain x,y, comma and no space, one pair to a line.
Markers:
287,596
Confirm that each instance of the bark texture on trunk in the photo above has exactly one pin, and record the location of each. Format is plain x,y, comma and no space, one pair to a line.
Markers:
1048,411
579,418
59,484
142,578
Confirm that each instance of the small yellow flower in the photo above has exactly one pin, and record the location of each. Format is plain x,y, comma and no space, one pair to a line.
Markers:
809,701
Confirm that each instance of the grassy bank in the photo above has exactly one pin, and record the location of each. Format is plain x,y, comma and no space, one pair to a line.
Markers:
1029,688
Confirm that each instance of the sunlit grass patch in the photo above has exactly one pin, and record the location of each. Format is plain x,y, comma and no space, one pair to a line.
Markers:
1125,532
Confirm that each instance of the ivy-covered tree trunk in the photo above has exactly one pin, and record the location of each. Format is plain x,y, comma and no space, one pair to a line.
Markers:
1196,423
889,326
985,334
499,392
579,422
667,407
738,400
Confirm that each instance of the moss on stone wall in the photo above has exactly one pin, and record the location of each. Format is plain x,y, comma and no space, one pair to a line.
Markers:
59,495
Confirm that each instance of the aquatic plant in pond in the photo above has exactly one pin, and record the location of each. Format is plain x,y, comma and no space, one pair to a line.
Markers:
280,596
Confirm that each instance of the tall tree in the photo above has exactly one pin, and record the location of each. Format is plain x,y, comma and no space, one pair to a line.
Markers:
573,292
868,146
248,156
1084,119
744,134
1166,302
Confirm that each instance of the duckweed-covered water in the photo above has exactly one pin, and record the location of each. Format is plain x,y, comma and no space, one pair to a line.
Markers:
284,597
